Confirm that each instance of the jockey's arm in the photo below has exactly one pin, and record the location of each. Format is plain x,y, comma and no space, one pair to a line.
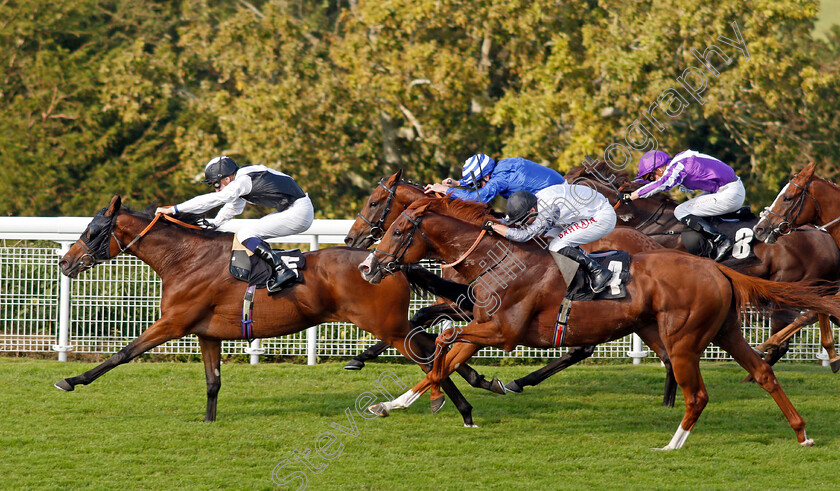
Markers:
485,194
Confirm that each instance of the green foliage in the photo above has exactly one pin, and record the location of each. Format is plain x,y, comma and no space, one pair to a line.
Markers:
134,97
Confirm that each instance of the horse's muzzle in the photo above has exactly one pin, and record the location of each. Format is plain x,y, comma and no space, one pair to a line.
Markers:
371,269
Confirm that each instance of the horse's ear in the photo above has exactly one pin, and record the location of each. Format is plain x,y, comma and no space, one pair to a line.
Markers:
420,210
395,178
806,173
114,206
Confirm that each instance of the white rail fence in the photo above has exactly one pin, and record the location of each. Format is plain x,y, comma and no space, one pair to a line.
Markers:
108,306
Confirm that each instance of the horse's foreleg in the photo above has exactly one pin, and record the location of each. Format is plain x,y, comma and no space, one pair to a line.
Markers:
159,333
687,373
373,352
571,357
827,341
211,353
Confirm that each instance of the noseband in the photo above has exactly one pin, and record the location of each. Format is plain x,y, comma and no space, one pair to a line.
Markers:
376,229
402,248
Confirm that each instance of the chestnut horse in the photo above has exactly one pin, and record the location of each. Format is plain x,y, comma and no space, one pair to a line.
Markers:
689,301
391,197
201,297
806,200
790,259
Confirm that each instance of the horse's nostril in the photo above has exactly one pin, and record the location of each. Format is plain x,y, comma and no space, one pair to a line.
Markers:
348,241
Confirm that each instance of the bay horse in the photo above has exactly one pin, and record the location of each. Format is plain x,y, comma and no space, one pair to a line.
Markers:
689,301
789,259
201,297
392,196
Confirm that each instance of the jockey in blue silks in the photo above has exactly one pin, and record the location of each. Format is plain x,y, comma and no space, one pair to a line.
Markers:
723,191
488,179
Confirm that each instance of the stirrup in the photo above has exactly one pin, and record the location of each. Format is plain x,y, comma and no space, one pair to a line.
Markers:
723,249
607,276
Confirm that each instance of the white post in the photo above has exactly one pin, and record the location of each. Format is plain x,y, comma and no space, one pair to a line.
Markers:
255,351
63,345
637,354
312,332
823,356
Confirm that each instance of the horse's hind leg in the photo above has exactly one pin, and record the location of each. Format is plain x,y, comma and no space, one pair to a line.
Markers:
159,333
827,341
571,357
211,353
686,364
732,341
650,336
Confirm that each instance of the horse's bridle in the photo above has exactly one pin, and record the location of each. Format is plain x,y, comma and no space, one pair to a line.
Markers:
376,229
402,248
101,252
784,226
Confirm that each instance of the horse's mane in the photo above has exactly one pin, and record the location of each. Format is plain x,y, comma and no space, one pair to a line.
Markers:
467,211
190,218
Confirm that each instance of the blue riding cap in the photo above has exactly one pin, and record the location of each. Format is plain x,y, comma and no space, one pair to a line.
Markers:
652,161
478,165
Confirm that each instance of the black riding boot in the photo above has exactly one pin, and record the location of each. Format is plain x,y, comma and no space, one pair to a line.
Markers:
282,273
599,277
721,243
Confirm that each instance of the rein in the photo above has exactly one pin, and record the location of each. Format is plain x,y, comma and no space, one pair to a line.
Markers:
467,253
149,227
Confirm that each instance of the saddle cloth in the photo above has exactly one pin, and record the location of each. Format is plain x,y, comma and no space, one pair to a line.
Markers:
578,288
738,226
257,272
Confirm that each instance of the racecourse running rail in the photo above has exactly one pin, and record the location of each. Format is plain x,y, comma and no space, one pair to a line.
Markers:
106,307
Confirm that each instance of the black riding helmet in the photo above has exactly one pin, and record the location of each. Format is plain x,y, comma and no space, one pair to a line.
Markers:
519,204
219,168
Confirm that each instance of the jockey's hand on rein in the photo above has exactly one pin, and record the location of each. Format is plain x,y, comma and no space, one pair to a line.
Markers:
488,225
624,198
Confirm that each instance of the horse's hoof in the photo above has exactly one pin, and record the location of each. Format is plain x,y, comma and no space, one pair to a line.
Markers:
354,365
379,410
497,386
470,425
807,443
835,365
437,404
512,386
64,385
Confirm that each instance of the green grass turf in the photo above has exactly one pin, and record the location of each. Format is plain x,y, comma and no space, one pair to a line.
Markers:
593,426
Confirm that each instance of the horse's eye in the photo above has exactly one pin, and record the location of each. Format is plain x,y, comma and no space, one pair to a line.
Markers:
787,198
397,232
373,203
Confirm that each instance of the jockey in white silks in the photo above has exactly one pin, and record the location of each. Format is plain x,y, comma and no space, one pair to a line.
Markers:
571,214
235,187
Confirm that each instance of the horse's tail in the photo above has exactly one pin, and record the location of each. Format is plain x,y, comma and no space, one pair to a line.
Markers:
419,278
802,294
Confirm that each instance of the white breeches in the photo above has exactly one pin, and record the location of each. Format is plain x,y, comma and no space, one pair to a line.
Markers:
584,231
726,200
293,220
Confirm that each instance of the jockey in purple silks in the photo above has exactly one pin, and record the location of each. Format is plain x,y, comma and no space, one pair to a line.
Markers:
723,191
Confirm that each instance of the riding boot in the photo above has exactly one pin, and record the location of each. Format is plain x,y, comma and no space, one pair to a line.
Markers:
721,243
599,276
282,273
